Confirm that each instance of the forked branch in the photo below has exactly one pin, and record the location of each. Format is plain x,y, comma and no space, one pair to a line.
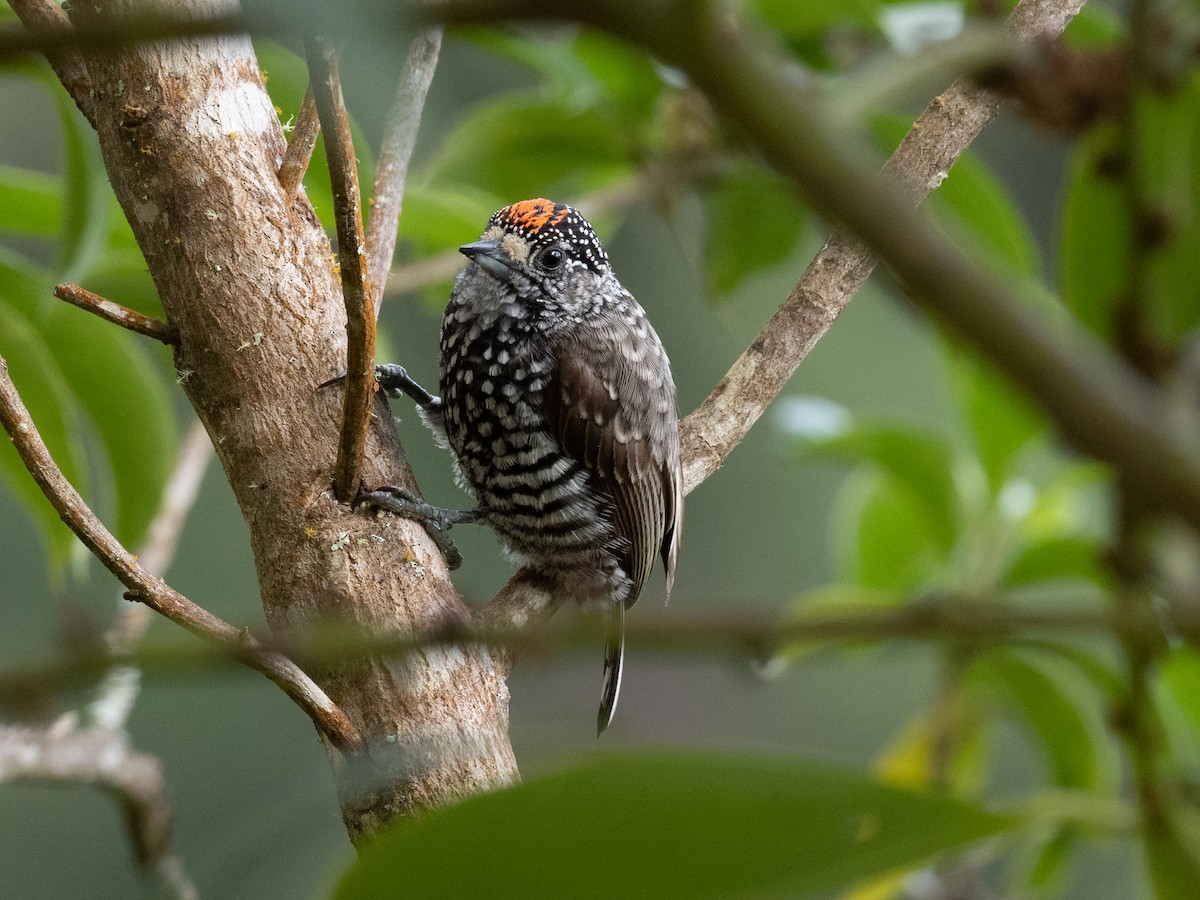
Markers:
154,592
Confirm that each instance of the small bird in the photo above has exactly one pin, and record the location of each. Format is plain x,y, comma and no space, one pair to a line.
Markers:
557,401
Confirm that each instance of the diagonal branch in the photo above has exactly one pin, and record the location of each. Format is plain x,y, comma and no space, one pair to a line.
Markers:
326,85
152,591
395,153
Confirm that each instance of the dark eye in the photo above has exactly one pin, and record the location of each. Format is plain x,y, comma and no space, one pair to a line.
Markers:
552,258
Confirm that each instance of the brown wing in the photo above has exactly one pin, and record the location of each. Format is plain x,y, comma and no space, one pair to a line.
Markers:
612,407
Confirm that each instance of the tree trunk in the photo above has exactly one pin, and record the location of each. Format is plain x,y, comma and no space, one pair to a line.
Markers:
192,145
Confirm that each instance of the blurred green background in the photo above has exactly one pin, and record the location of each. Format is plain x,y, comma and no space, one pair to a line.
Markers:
255,812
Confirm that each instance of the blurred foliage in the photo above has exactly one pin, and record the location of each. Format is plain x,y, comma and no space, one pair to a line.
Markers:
717,827
990,508
99,397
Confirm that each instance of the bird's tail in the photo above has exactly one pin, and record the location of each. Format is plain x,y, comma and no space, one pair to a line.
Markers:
614,655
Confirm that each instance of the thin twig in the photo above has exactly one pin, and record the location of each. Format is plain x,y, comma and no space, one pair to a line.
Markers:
104,758
154,592
68,64
356,288
50,39
395,153
116,693
300,146
116,313
947,618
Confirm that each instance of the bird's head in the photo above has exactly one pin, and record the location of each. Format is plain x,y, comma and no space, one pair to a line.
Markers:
539,245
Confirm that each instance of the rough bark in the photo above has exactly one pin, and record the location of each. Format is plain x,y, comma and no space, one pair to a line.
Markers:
247,278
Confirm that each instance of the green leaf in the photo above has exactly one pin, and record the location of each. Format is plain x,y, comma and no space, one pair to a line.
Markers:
1069,729
101,370
445,214
126,400
883,535
441,216
1072,499
979,201
626,76
1095,27
1097,231
1054,559
1001,419
523,145
30,202
919,460
1181,674
1047,871
753,221
1172,849
286,82
915,753
667,827
813,17
88,197
583,69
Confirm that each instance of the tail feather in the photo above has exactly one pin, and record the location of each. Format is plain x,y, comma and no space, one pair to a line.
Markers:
614,655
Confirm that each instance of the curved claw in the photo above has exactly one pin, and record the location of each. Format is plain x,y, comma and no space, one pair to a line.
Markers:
435,520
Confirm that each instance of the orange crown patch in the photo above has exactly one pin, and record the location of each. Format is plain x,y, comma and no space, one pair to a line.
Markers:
531,216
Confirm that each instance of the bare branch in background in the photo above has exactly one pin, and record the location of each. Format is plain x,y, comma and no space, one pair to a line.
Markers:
395,153
116,313
356,286
116,693
154,592
300,146
101,757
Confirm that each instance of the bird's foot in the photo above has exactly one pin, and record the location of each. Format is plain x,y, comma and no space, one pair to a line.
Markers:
436,521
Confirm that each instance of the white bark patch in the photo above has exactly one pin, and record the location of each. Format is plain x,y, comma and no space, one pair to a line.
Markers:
241,109
439,675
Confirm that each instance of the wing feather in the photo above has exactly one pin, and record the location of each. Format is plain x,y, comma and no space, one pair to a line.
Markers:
612,407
